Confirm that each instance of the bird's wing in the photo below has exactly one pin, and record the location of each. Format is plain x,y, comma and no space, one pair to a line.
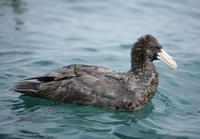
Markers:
93,89
80,84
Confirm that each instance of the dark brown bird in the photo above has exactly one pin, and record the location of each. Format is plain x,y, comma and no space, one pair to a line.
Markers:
101,86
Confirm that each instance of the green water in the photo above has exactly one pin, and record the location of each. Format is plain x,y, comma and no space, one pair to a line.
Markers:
39,36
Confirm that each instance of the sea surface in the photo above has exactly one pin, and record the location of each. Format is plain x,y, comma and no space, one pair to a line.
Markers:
38,36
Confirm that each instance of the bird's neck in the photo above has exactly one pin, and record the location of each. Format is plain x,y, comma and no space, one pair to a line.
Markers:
145,79
146,71
140,65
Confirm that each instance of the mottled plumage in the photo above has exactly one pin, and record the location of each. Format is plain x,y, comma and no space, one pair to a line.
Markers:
101,86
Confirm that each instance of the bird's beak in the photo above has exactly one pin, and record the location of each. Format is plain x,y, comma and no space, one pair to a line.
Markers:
167,59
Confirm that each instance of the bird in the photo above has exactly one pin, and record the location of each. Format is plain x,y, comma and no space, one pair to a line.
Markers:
100,86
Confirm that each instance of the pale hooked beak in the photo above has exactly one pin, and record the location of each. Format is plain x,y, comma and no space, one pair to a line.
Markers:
167,59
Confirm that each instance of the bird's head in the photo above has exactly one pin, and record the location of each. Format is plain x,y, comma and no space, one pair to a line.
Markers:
146,49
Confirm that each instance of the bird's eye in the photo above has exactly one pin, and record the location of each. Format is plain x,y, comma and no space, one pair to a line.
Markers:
157,47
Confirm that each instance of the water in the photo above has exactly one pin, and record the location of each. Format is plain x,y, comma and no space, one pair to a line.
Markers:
39,36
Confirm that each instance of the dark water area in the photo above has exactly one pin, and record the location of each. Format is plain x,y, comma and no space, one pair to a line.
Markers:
39,36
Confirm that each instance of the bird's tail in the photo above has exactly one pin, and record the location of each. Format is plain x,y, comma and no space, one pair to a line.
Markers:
27,87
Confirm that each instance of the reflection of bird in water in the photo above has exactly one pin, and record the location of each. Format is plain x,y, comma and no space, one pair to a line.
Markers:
101,86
